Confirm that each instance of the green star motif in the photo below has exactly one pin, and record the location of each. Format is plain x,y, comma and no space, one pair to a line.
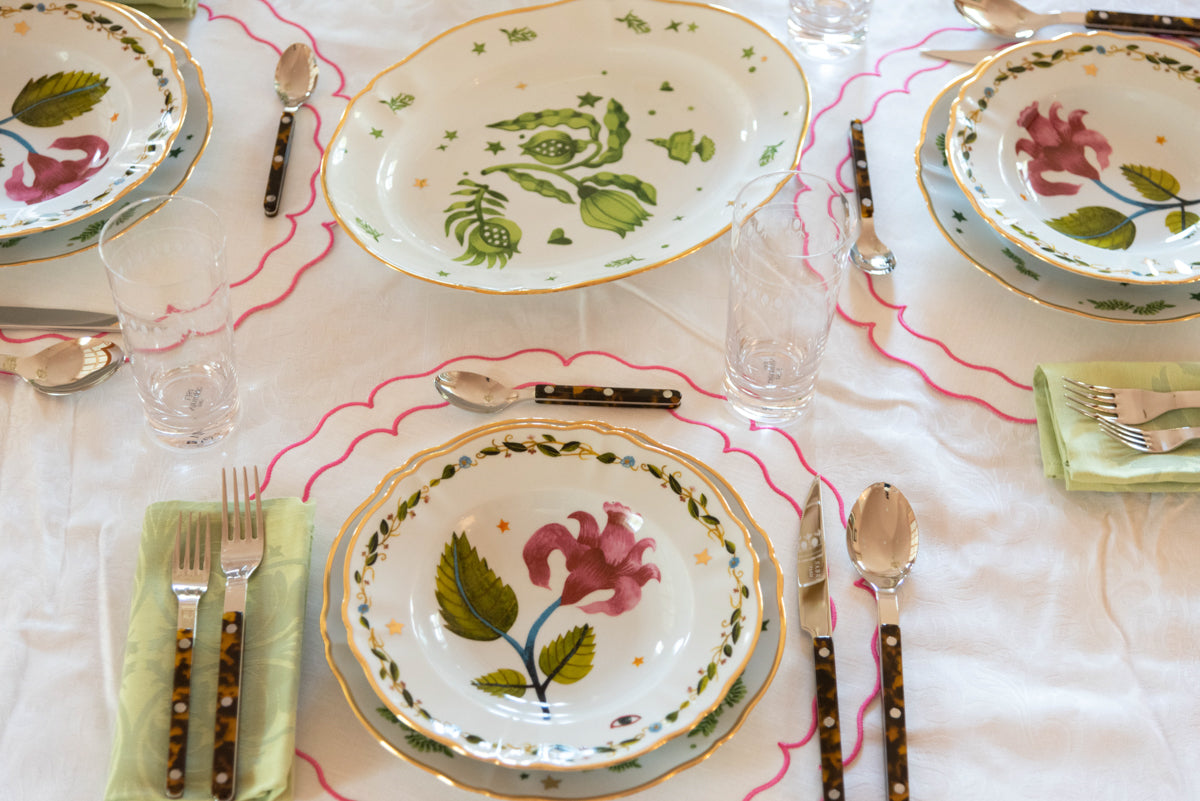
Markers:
479,48
450,136
175,151
747,53
588,100
674,26
377,133
441,147
692,27
495,147
443,274
1195,296
960,217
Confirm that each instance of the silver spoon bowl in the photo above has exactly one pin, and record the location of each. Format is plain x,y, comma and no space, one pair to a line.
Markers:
881,537
480,393
67,367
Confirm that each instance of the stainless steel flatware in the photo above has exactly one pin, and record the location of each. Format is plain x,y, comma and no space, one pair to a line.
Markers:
817,620
868,254
1146,440
242,540
1126,405
480,393
881,537
66,367
1010,18
58,319
189,582
295,79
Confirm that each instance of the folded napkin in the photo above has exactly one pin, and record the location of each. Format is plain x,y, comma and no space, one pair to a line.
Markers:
165,9
1077,451
270,661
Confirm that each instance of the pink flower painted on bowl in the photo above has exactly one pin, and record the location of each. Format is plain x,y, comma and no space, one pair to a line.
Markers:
52,177
597,560
1058,145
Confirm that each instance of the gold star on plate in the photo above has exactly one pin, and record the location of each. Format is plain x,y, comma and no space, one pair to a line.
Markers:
551,783
21,28
394,627
522,85
1162,140
420,183
638,661
703,557
1091,69
503,525
113,118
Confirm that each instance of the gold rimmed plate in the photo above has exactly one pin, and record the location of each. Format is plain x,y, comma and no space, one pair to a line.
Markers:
95,101
1078,150
650,768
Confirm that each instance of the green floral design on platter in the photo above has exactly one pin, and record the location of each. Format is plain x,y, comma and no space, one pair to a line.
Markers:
548,446
1098,226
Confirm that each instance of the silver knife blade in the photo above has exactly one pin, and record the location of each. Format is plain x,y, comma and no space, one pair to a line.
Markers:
57,319
815,616
961,56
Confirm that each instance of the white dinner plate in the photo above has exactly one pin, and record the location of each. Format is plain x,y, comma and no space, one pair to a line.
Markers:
638,774
546,597
564,145
166,179
94,102
1081,151
1018,270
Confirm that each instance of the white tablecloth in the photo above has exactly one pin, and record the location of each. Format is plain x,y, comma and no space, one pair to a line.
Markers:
1047,634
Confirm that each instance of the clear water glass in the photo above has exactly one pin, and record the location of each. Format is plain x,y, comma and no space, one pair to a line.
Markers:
828,29
789,254
165,259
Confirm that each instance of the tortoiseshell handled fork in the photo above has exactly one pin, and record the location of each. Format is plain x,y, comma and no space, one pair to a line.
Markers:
189,582
241,552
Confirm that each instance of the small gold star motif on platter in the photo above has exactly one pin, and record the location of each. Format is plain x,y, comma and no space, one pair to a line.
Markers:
638,661
551,783
21,27
420,183
522,85
1162,140
503,525
1091,69
394,627
703,557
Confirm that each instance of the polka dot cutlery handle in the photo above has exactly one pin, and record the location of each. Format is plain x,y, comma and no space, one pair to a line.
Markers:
1141,23
891,677
607,396
828,723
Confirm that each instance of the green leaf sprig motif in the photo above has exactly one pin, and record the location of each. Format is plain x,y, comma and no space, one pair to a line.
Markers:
566,153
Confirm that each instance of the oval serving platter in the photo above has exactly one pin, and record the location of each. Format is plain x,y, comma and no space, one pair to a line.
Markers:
553,597
563,145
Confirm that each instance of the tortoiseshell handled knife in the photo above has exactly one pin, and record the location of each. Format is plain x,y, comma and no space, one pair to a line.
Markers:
816,619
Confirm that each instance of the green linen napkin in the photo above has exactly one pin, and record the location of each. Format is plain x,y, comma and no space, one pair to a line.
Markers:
165,9
1077,451
270,663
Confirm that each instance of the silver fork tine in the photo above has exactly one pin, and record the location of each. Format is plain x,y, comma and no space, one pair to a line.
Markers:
1131,437
189,582
1087,411
241,554
1090,395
